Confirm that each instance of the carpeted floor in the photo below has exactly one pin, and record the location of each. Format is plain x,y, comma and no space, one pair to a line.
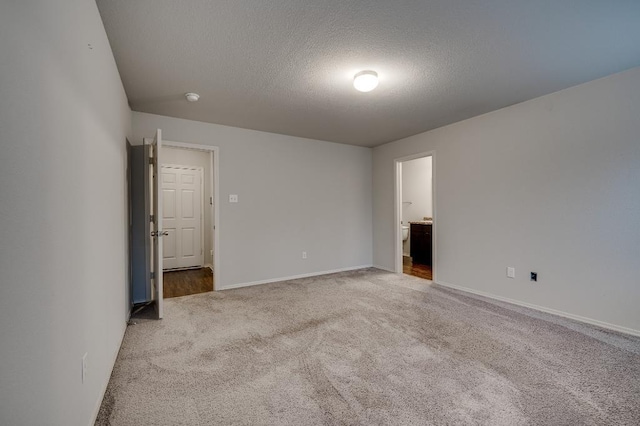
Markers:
368,348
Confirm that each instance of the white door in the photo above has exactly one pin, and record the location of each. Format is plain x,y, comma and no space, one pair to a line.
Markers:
182,217
157,232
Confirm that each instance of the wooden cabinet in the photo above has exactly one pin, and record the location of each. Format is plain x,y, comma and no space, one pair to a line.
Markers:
420,243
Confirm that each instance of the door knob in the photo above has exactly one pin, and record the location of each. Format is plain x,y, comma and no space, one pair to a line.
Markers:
159,233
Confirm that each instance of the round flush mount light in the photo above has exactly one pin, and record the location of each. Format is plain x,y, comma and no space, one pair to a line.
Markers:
365,81
192,97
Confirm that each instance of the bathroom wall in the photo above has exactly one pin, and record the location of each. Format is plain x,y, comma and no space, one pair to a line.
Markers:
416,189
190,157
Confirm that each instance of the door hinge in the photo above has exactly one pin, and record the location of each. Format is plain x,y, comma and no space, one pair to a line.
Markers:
152,275
152,218
211,200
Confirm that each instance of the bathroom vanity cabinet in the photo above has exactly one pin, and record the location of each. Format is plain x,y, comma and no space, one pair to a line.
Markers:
420,243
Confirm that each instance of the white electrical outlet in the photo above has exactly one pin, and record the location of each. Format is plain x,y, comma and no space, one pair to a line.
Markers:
511,272
84,367
233,198
304,254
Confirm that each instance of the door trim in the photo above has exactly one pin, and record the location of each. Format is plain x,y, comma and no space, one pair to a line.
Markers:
397,217
202,230
214,161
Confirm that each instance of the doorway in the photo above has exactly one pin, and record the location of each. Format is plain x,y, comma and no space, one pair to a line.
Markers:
415,215
188,180
148,222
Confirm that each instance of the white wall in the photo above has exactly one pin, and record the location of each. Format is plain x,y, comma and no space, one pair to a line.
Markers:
190,157
64,120
416,193
294,194
550,185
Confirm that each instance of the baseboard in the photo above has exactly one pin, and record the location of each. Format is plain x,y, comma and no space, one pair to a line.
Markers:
579,318
383,268
96,410
292,277
208,265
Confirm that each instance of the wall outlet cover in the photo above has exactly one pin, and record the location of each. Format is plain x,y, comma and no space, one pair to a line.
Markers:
511,272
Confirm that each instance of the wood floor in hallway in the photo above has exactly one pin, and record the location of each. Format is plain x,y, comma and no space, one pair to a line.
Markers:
416,269
184,283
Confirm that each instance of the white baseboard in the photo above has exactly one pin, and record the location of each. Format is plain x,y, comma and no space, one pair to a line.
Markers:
210,266
384,268
96,410
585,320
292,277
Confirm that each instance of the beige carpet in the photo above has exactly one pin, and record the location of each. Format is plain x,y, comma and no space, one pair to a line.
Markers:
368,348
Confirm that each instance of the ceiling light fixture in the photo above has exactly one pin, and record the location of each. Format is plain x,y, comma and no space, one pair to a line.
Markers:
365,81
192,97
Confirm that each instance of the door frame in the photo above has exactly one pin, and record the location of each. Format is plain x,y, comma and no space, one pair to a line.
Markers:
397,217
214,162
129,229
202,230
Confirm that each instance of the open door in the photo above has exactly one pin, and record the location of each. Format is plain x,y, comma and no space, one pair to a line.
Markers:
155,195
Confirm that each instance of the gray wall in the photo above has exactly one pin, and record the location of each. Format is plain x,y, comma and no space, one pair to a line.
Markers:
295,195
550,185
64,120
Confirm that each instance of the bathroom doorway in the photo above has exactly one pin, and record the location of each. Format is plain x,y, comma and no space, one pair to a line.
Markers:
415,212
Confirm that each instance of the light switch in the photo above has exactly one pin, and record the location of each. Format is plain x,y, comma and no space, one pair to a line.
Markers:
233,198
511,272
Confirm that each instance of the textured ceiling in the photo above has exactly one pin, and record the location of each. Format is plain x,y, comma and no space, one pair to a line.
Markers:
286,66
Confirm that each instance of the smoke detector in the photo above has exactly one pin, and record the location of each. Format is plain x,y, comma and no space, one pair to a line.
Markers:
192,97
